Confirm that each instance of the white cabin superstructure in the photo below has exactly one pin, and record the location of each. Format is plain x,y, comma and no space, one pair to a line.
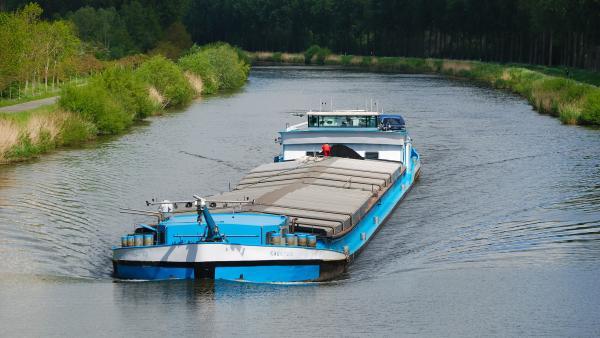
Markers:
362,131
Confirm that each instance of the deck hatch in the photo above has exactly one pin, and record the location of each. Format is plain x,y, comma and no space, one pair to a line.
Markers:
322,195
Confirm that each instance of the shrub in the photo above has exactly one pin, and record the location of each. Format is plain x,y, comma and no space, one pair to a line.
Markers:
76,130
366,61
322,54
95,103
346,60
130,91
168,79
276,57
229,70
319,54
310,52
199,64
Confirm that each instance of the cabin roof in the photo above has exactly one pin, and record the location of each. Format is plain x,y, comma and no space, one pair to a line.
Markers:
343,113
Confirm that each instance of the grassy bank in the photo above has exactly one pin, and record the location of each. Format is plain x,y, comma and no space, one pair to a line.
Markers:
572,101
115,98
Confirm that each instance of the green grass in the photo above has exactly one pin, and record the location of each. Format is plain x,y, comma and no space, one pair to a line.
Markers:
10,102
36,94
23,116
580,75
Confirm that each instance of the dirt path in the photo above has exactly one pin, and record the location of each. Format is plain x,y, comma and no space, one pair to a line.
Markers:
28,105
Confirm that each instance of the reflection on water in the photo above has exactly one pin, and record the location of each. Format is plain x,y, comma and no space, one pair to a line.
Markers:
508,200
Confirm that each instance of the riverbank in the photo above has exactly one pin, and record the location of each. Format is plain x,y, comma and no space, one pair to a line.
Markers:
573,102
114,99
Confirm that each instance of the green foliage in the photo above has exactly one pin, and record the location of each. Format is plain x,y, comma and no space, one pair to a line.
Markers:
346,60
402,65
76,130
366,61
569,115
33,50
174,42
111,100
276,57
590,113
242,55
95,103
127,89
200,65
316,54
143,24
26,148
219,66
168,79
105,29
521,80
322,54
310,53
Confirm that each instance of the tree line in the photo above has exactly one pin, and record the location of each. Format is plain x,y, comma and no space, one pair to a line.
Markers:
35,51
547,32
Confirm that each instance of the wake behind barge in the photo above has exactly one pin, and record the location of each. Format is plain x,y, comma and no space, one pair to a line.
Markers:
302,218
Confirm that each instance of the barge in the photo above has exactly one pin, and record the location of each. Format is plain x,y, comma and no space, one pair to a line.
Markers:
302,218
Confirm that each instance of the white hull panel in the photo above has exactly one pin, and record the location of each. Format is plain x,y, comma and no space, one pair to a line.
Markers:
222,252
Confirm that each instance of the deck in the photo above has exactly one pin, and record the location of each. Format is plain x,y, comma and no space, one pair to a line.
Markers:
325,196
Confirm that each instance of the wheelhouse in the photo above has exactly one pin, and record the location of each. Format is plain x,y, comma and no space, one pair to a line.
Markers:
347,119
356,134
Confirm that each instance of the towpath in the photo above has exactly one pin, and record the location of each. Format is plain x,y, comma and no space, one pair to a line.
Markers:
29,105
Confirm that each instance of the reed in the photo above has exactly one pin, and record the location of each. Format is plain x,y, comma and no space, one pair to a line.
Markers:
31,133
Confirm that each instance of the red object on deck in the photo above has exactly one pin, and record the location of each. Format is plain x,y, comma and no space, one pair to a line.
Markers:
326,150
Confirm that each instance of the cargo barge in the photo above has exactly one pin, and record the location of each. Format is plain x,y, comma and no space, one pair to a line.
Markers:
302,218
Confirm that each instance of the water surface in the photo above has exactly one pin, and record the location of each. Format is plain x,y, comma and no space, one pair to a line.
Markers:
501,235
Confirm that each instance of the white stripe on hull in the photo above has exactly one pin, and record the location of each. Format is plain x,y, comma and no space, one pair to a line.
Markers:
221,252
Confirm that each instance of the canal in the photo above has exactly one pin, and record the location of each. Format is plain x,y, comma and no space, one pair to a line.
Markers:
501,235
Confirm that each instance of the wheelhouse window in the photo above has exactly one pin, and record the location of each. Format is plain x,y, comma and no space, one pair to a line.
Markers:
334,121
372,155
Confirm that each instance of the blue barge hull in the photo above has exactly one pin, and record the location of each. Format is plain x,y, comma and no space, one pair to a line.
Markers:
252,259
